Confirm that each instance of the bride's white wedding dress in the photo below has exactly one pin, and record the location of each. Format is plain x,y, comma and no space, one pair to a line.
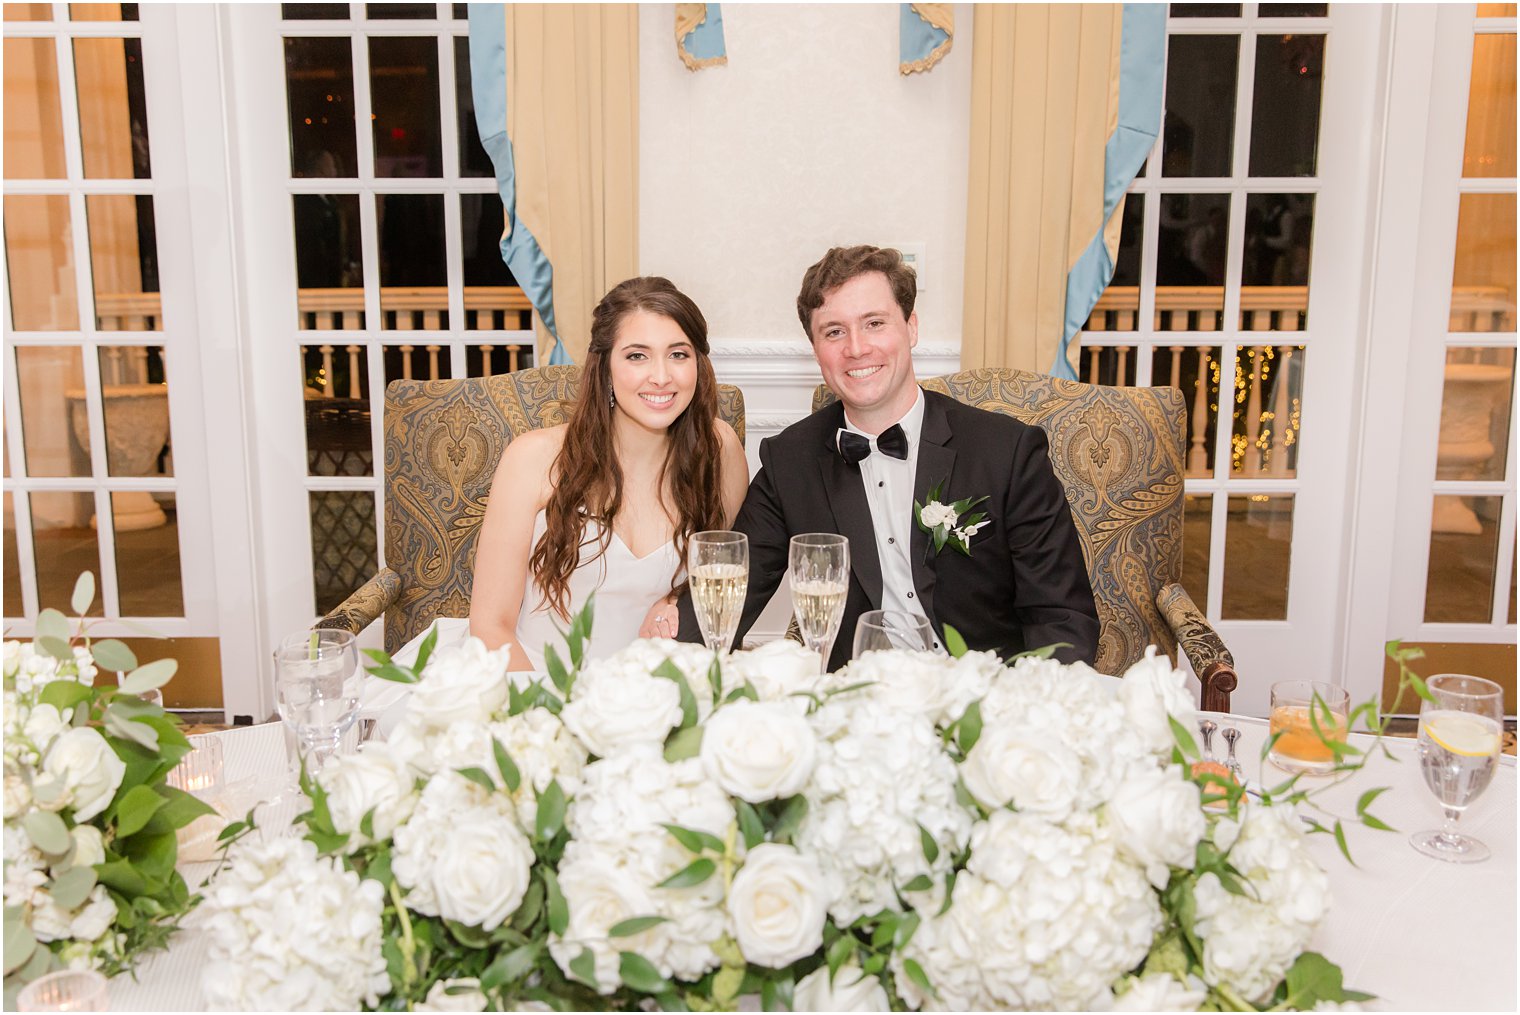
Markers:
625,586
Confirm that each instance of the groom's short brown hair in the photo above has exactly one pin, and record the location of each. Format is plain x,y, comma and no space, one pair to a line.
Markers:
841,264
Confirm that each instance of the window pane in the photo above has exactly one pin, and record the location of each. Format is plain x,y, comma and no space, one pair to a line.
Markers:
428,362
55,429
1205,10
403,77
1108,364
1258,543
26,12
1199,135
102,12
12,563
33,116
492,300
473,160
319,88
329,261
135,398
1483,278
380,11
1475,402
124,262
1191,249
39,252
1197,526
462,11
336,388
64,544
1274,270
413,270
1193,370
1119,306
344,550
490,359
1285,104
1464,540
1490,149
1293,10
1269,382
113,109
314,12
148,582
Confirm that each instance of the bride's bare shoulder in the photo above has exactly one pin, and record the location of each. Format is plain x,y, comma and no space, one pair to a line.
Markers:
531,455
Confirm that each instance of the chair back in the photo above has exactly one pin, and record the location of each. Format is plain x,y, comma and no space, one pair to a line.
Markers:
1119,452
442,442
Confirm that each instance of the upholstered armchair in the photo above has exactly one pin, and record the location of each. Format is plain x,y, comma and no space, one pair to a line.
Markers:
442,442
1120,454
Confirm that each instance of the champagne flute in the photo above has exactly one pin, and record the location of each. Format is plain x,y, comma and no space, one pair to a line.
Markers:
717,563
317,681
1459,750
884,630
820,575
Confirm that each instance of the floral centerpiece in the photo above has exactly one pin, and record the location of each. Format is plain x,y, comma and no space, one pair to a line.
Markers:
669,828
90,826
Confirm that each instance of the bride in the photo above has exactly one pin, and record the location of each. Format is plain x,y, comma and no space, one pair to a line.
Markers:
606,503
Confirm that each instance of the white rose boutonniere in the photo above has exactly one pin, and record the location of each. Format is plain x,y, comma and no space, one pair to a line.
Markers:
949,523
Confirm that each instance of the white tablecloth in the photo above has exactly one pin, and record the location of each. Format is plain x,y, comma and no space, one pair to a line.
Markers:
1419,933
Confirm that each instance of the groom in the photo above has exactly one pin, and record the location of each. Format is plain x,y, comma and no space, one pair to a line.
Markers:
856,467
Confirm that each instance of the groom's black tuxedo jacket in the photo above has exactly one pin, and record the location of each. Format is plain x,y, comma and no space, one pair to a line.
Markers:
1024,585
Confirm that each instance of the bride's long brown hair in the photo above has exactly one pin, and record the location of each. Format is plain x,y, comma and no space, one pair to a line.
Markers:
587,479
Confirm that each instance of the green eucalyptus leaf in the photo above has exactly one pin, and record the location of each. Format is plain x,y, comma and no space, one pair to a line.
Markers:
1043,652
111,654
130,729
792,813
930,847
559,910
635,925
510,776
1184,738
670,671
149,676
51,624
557,671
968,730
954,643
48,832
19,945
921,883
551,812
683,744
640,974
750,825
479,777
916,974
80,601
510,966
694,839
134,809
72,887
583,968
425,650
693,873
62,694
57,648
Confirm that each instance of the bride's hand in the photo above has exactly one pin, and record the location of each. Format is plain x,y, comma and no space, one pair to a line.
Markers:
662,621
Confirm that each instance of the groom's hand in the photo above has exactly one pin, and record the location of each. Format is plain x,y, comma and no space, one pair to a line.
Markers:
662,620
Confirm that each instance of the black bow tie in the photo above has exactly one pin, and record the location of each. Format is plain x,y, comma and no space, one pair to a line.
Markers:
856,448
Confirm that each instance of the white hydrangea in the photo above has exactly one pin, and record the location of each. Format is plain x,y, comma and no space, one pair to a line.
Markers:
288,930
1151,692
1249,941
461,855
544,751
619,852
881,774
1159,992
1045,916
923,683
461,681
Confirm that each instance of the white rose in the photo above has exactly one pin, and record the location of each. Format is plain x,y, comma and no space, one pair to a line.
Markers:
43,725
482,872
776,669
935,514
89,846
374,780
1159,820
461,681
1151,692
95,917
1161,992
1029,768
467,996
88,769
851,990
618,705
759,751
778,904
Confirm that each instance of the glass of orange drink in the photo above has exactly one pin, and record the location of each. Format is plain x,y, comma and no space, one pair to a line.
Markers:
1307,716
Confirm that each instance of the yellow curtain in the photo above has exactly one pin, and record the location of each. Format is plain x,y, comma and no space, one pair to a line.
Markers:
573,116
1044,100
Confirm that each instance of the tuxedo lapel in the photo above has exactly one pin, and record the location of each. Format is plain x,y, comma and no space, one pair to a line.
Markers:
852,514
935,462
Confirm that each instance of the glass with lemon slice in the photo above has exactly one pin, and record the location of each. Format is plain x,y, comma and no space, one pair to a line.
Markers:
1459,750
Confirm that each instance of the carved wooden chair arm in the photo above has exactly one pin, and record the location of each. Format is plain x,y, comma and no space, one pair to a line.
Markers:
367,604
1205,649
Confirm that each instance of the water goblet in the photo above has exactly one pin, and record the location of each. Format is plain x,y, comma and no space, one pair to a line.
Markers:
884,630
819,575
317,682
1459,737
717,564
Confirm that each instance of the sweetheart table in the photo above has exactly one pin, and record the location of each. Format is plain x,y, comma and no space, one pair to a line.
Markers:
1419,933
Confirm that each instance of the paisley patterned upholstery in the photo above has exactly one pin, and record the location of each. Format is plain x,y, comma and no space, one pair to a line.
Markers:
442,442
1119,452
